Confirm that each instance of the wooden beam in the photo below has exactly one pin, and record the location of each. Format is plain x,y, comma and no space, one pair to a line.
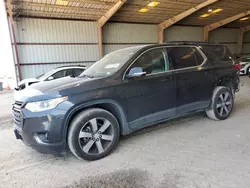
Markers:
100,46
103,20
226,21
242,30
85,9
167,23
9,7
110,13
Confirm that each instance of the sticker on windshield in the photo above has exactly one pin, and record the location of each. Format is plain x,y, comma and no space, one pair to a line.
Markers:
111,66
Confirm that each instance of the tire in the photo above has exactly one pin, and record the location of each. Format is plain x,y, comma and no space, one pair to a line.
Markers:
221,107
93,134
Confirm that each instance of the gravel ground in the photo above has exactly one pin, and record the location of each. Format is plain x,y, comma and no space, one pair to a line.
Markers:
191,152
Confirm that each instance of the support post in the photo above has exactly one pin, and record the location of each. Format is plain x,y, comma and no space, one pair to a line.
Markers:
100,46
160,35
240,40
9,6
206,34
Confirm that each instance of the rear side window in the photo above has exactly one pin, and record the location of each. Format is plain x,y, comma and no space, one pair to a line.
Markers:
218,53
185,57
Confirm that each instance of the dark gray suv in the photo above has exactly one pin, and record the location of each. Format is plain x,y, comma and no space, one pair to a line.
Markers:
127,90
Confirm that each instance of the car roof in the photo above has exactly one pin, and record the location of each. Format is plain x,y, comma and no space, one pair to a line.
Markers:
195,43
140,48
70,67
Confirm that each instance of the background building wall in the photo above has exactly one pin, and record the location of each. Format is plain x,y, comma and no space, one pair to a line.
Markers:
226,36
44,44
122,35
183,33
246,43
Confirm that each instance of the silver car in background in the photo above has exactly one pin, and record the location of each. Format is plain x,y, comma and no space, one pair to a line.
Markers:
56,73
245,65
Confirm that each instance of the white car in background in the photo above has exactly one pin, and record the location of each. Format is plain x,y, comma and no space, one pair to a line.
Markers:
56,73
245,65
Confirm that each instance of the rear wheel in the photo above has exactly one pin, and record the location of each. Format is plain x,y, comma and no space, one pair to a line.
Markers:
222,104
93,134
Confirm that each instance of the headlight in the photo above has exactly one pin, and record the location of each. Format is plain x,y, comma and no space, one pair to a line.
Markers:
44,105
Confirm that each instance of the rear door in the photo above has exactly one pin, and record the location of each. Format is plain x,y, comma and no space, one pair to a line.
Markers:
195,79
222,60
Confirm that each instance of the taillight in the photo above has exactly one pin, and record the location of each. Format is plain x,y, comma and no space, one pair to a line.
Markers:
237,66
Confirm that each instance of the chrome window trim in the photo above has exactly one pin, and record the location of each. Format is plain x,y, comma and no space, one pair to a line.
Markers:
173,70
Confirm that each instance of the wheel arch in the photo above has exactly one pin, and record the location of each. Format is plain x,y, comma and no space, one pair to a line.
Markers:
109,105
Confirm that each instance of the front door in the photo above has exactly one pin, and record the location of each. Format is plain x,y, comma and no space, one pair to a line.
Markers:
150,97
195,79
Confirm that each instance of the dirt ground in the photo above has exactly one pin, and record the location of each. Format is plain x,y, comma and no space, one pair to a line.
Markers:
191,152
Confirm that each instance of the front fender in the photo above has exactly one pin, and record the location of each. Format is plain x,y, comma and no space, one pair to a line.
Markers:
124,123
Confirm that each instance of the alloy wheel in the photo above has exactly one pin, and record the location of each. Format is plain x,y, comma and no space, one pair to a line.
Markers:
96,136
224,104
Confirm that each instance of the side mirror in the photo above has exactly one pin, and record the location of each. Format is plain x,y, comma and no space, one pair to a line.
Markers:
135,72
50,78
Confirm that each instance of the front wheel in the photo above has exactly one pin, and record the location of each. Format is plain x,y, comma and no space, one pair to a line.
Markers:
222,104
93,134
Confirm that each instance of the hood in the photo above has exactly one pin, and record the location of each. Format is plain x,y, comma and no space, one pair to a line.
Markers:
51,89
28,80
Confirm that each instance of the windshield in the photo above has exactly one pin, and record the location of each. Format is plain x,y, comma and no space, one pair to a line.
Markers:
46,75
39,76
110,63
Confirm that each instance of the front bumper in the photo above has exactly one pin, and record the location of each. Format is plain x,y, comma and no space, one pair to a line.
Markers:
41,130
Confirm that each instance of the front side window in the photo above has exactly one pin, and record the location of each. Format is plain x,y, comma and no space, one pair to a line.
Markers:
185,57
153,61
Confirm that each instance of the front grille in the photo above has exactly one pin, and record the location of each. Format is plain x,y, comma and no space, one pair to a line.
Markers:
17,115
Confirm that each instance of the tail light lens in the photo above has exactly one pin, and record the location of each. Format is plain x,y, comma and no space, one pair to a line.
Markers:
237,66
